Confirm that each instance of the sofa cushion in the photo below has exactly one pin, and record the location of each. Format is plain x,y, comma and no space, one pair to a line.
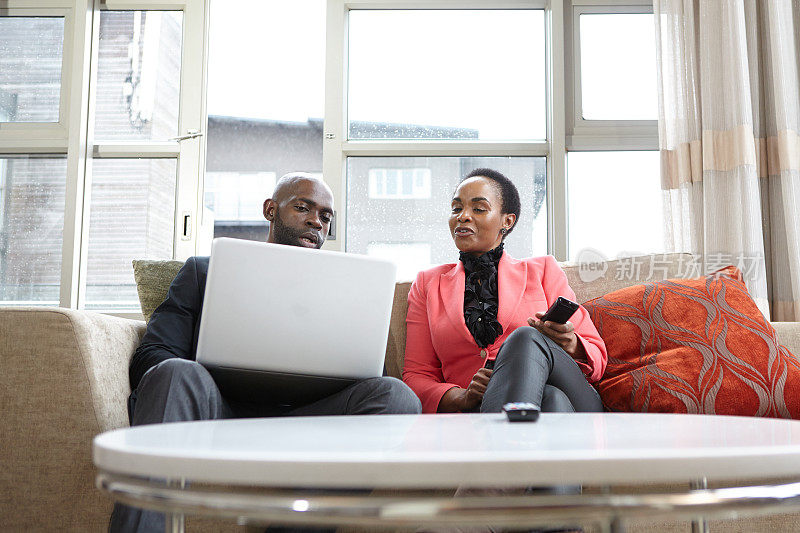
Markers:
153,279
694,346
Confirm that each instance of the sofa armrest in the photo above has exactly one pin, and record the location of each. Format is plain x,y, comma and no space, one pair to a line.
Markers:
107,344
64,379
396,343
789,335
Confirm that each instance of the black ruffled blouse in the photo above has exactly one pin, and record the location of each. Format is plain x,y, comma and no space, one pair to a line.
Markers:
481,296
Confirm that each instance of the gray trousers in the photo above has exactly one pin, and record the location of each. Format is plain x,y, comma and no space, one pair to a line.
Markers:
531,367
180,390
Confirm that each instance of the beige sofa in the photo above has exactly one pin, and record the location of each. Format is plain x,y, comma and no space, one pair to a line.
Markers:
64,379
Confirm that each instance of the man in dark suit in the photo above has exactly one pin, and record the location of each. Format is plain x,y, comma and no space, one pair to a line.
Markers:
170,386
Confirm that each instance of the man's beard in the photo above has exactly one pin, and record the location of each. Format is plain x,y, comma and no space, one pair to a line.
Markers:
291,236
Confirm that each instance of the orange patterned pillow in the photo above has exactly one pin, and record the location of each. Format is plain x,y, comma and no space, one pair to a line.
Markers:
694,346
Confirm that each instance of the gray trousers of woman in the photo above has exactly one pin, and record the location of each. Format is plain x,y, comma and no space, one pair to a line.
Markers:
531,367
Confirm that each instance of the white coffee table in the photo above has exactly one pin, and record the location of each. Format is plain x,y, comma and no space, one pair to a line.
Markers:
148,466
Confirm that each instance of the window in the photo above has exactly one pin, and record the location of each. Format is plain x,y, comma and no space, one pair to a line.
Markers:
234,200
138,80
423,220
392,101
467,91
132,216
31,58
97,162
615,205
450,102
132,209
399,183
32,191
611,85
234,197
409,257
6,106
3,164
614,200
263,121
33,169
618,67
465,74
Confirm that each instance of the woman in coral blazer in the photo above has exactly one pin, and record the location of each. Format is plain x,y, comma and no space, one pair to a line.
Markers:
487,307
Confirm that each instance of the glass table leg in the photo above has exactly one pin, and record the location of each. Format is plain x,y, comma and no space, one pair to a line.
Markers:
174,522
699,525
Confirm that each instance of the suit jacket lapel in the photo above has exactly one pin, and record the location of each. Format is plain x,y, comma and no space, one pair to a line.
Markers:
511,277
451,291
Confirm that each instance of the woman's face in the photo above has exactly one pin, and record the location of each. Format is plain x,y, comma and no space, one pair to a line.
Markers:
476,218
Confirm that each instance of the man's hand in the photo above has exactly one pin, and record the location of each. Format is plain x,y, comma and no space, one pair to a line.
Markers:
459,400
562,334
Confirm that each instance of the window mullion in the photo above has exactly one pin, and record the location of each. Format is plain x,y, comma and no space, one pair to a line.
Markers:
188,199
125,149
556,162
33,146
335,126
80,38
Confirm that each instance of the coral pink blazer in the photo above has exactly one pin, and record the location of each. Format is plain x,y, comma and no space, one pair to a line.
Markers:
440,350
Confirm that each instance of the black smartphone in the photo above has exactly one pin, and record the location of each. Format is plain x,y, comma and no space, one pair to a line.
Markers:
560,311
521,412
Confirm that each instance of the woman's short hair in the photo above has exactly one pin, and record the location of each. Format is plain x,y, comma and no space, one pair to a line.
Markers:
509,195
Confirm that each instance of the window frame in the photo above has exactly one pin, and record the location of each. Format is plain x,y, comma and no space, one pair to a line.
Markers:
336,145
188,153
31,139
43,137
566,129
601,135
72,136
597,135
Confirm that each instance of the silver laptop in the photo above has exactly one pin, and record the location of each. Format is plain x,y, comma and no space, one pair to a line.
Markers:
284,323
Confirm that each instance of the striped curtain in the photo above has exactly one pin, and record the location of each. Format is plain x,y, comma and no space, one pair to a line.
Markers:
729,134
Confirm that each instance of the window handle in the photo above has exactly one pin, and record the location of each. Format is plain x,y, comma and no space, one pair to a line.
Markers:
190,134
186,234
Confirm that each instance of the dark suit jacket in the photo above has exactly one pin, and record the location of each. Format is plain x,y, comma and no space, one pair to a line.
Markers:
174,325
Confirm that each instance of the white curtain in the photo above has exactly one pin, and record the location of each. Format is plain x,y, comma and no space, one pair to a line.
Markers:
729,133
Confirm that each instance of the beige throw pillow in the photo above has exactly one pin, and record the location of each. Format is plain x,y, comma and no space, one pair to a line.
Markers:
153,279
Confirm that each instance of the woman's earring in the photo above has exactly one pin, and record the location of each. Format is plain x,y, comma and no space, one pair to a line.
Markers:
503,231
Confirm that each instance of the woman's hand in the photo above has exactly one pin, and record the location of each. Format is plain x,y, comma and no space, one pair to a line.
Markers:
459,400
562,334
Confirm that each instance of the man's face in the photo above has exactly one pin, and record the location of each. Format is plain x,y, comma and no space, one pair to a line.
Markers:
301,216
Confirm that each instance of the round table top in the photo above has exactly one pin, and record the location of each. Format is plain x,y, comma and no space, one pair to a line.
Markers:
426,451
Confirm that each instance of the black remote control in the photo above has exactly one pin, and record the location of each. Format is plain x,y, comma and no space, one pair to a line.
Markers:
521,412
560,311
